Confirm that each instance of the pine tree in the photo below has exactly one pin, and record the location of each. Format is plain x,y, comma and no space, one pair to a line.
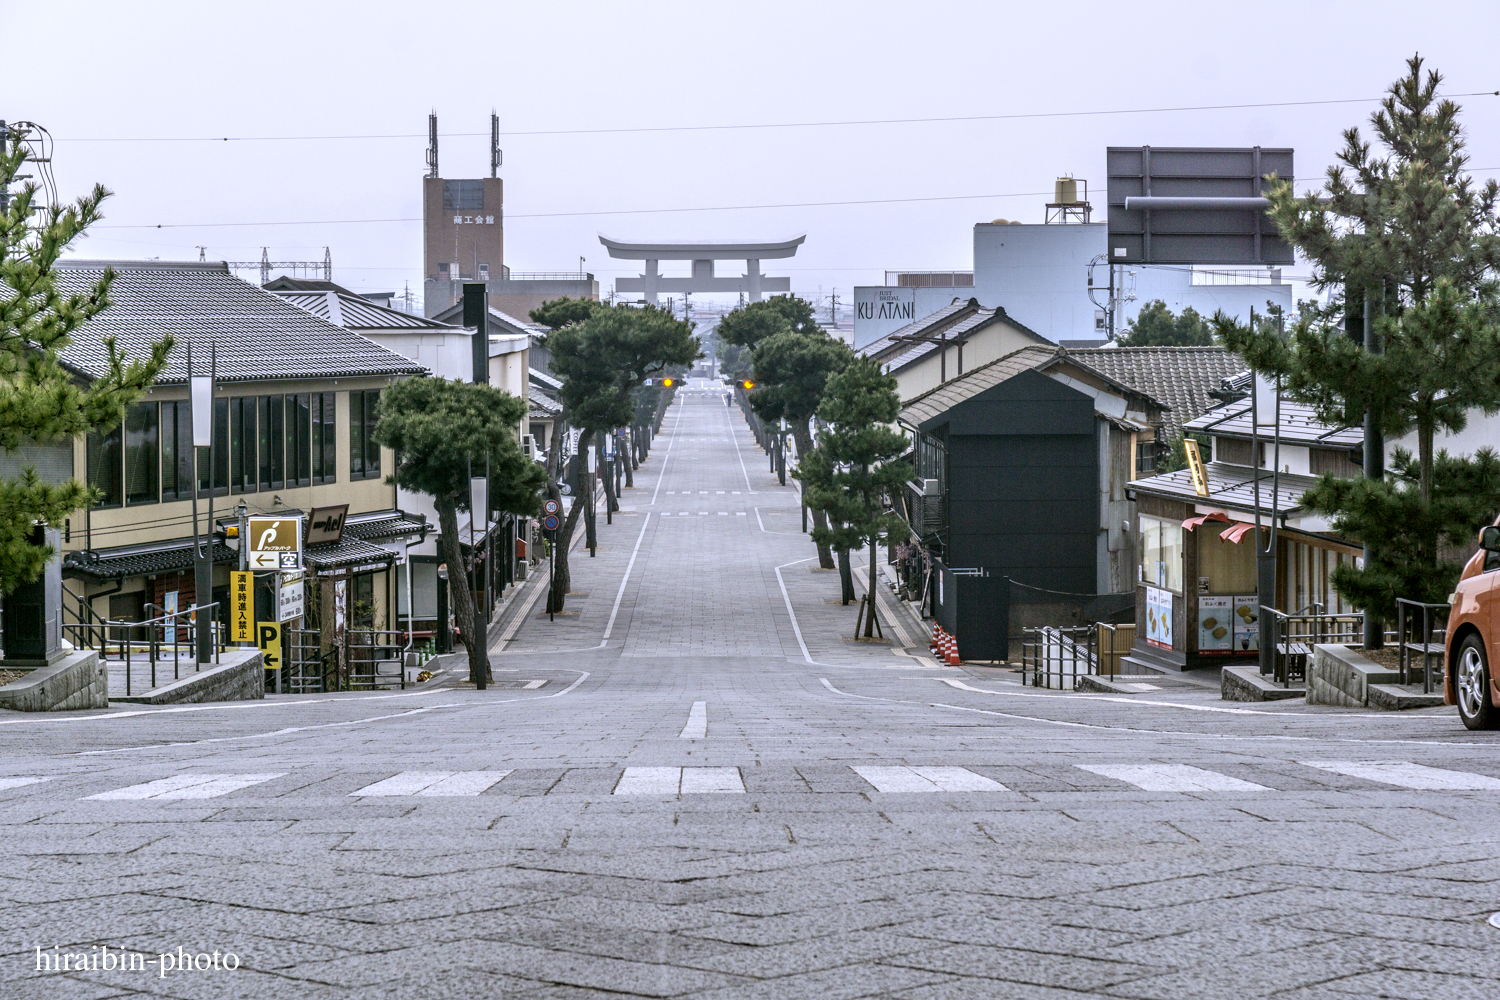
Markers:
1155,326
1407,232
442,432
40,401
857,465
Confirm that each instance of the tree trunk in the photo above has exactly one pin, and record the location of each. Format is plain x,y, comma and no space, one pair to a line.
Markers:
554,448
803,435
1425,429
561,579
872,580
586,483
627,458
463,599
607,470
846,577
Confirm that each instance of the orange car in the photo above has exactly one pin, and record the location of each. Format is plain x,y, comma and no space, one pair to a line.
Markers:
1474,636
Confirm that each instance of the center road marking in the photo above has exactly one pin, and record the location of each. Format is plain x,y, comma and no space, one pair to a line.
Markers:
697,723
19,782
1404,774
610,626
927,779
435,783
1172,778
187,786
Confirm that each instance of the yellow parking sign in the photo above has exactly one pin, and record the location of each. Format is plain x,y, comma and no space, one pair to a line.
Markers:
241,605
268,638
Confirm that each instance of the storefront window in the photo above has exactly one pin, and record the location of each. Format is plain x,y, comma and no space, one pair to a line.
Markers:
1160,553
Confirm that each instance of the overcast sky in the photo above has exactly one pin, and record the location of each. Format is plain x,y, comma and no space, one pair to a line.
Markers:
125,88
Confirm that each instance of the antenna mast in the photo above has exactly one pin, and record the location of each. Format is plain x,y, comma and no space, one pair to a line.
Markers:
496,156
432,149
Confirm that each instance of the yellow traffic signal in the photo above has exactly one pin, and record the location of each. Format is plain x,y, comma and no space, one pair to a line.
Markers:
748,384
666,382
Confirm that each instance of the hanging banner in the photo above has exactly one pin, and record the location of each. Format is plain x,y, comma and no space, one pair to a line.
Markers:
241,606
1247,623
1215,625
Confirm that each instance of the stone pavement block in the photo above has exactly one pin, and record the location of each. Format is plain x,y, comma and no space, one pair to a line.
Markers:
844,983
647,978
1012,965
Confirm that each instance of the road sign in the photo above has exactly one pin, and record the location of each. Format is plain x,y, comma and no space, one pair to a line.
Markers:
241,605
292,598
550,522
551,507
275,543
268,638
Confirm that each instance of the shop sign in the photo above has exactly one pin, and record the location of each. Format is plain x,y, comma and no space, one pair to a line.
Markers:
268,640
275,543
1216,625
326,524
291,600
1159,617
241,609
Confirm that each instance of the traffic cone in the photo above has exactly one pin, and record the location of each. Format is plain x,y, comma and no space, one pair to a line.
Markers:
953,659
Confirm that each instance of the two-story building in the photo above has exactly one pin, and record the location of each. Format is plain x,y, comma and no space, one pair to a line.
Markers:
295,404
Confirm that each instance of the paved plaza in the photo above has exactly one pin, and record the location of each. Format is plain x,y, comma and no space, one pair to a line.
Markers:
696,785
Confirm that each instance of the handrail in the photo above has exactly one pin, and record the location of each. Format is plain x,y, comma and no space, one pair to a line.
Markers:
1291,646
1406,647
84,633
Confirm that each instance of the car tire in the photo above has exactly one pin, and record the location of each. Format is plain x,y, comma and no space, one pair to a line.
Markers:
1471,685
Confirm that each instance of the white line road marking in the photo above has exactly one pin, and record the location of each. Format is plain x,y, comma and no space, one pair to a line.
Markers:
796,629
1173,778
532,685
610,627
712,780
187,786
927,779
739,513
465,783
649,781
697,723
1141,686
443,783
1404,774
19,782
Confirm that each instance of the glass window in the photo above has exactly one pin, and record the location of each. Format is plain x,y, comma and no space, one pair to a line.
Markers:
176,451
364,453
218,456
142,454
243,476
298,441
104,466
1160,550
324,443
272,452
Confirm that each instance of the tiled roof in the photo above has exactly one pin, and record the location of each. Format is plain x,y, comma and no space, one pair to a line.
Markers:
543,406
383,524
1299,425
353,312
1180,377
543,379
929,325
934,402
140,560
1231,486
348,552
258,335
966,327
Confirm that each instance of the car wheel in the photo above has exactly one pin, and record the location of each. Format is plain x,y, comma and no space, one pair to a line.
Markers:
1471,685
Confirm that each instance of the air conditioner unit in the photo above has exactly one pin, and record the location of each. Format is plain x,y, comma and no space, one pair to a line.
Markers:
930,488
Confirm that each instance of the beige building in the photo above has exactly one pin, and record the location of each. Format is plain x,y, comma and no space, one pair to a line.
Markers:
295,406
948,343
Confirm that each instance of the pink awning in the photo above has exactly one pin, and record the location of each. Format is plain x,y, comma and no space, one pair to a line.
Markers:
1236,533
1193,522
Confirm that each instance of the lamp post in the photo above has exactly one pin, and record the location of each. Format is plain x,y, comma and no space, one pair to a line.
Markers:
478,501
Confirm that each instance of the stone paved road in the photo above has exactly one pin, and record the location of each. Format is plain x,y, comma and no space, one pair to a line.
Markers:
696,787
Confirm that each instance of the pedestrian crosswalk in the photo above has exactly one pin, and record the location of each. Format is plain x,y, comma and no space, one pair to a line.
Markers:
434,783
1252,776
703,513
187,786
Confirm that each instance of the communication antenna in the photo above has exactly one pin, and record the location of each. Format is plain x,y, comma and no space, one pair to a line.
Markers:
497,157
432,149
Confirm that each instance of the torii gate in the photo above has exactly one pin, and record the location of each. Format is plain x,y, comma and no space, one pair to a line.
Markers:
703,253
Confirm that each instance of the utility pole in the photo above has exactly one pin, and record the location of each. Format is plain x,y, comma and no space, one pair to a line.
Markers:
4,147
1374,464
833,309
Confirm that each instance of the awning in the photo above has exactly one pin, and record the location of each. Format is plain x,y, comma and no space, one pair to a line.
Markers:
150,559
349,554
1193,522
1234,533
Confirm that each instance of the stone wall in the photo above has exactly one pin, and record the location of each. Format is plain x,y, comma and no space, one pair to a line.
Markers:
77,681
1342,676
239,676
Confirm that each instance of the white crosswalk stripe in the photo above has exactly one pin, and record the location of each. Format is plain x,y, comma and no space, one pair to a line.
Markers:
927,779
1404,774
187,786
686,780
433,783
697,722
1173,778
19,782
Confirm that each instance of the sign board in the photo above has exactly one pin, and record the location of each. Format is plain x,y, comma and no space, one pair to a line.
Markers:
275,543
1195,466
1215,625
551,507
291,599
1159,617
881,309
268,641
241,605
1227,235
1246,616
326,524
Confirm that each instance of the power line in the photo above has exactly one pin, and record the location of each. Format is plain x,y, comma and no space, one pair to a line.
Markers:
772,125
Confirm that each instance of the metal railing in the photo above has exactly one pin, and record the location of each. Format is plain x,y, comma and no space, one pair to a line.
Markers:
1412,641
147,641
361,661
1068,653
1295,634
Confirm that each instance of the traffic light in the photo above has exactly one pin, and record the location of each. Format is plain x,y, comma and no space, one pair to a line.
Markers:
748,384
666,382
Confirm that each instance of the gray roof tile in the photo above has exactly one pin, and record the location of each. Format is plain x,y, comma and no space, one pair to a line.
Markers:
1180,377
258,336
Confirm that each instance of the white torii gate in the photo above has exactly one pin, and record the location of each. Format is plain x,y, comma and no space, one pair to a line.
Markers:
703,253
